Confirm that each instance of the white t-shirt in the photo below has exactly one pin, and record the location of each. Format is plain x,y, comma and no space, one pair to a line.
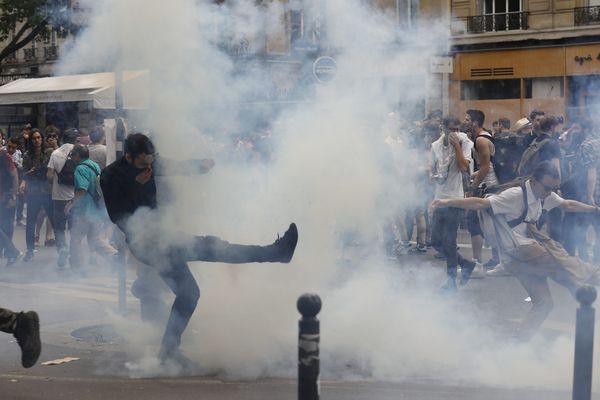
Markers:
510,204
444,162
98,154
57,162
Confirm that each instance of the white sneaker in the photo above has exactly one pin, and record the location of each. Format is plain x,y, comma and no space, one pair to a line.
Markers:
498,271
478,271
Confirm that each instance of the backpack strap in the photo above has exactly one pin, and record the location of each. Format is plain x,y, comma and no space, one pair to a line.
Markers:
93,169
97,183
523,215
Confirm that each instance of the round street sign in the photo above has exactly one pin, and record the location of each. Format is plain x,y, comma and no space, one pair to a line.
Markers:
324,69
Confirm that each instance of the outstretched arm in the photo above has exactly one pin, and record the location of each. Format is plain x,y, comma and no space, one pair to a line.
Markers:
166,166
469,203
578,207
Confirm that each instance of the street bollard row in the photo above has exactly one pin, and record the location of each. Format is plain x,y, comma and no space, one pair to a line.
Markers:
584,344
309,306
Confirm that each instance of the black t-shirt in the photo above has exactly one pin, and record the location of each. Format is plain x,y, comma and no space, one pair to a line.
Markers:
122,194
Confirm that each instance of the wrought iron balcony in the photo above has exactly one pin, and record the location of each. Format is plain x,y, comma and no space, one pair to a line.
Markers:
587,15
497,22
51,52
30,54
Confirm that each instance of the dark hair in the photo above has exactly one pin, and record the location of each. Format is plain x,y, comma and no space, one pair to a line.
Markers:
504,122
548,123
70,136
535,113
97,134
450,119
52,130
30,147
81,151
138,143
477,116
545,168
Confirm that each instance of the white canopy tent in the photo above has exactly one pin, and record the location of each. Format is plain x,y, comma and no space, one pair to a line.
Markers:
98,88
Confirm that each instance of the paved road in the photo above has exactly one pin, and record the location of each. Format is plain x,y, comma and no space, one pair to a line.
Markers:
70,302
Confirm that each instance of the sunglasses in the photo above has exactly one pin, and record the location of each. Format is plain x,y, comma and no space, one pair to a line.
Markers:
548,188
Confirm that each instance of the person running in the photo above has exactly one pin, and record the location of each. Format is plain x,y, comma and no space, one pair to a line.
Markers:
531,256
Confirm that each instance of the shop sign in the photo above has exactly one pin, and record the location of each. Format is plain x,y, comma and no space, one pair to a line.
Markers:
441,65
582,59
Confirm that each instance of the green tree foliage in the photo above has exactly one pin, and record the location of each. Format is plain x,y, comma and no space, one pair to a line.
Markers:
22,21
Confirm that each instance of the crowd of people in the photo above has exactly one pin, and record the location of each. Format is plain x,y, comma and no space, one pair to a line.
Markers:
35,164
530,190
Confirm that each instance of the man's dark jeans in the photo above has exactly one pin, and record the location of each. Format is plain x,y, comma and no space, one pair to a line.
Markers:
7,225
8,320
171,264
446,221
34,204
59,223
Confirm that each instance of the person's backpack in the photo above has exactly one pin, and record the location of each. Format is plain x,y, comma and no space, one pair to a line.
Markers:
66,175
497,230
508,151
97,192
531,157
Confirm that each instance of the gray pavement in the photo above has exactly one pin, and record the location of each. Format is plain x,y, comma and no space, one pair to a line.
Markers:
69,302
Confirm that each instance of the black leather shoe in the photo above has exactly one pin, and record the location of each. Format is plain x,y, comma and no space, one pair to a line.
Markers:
467,268
284,247
27,333
449,286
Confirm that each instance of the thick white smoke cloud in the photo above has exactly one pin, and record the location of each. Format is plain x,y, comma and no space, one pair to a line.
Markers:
379,321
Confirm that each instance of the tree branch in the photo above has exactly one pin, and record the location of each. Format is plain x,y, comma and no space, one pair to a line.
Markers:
15,44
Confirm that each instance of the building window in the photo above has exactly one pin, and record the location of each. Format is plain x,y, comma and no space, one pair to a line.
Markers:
408,13
505,14
498,15
296,25
544,88
492,89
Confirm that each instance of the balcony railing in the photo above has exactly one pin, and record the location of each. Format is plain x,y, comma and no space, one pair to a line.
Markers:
587,15
30,54
51,52
497,22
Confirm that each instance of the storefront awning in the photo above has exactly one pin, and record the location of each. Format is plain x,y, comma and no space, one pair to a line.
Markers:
98,88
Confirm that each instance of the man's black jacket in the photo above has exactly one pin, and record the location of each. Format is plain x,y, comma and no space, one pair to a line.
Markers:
122,194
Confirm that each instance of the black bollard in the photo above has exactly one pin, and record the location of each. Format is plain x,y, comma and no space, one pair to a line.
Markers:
584,344
309,306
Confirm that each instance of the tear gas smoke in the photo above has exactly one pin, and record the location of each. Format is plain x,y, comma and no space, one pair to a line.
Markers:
379,321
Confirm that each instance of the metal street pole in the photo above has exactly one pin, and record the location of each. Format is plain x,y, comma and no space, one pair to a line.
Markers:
309,306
